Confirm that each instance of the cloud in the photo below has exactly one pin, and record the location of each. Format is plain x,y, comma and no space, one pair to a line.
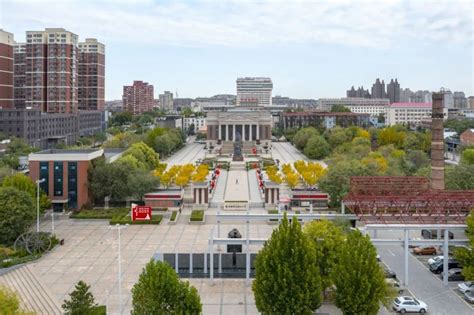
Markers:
380,24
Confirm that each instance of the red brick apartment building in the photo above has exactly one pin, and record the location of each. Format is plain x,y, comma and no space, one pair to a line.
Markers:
6,69
138,98
91,75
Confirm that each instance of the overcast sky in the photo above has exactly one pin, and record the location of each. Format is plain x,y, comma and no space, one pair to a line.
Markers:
310,49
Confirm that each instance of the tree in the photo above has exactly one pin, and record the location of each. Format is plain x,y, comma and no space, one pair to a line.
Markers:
191,129
327,238
122,118
464,255
159,291
359,280
417,159
287,279
391,135
337,136
81,301
24,183
10,303
144,154
17,213
459,177
187,112
292,179
339,109
467,157
302,136
316,148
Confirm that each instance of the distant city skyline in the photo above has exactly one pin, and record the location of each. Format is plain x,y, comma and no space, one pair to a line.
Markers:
308,49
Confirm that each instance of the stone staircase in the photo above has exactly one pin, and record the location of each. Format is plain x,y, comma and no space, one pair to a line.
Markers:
228,147
34,296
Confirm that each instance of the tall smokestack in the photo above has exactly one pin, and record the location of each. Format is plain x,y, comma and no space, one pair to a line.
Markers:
437,143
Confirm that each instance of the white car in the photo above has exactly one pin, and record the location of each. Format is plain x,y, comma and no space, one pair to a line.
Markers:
404,304
466,286
434,260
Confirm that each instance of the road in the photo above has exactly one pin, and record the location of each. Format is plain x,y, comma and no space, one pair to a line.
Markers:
189,154
422,283
287,153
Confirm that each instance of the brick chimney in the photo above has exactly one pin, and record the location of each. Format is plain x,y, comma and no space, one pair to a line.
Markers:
437,142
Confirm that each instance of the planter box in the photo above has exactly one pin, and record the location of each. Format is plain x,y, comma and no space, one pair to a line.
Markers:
176,219
198,222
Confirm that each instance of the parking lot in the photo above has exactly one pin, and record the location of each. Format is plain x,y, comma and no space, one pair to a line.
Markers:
422,283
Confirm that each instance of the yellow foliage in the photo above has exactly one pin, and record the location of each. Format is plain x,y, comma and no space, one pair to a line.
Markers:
363,133
182,180
286,168
292,179
200,174
166,179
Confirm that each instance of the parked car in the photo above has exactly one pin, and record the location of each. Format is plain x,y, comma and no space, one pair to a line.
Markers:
454,274
424,250
434,260
404,304
439,266
396,285
466,286
389,273
469,296
378,258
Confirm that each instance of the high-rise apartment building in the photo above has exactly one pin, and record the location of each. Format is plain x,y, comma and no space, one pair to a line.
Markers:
91,75
254,92
405,95
393,91
6,69
378,89
460,100
19,74
360,92
51,70
138,98
166,101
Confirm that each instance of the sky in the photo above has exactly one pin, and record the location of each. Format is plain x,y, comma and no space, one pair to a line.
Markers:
310,49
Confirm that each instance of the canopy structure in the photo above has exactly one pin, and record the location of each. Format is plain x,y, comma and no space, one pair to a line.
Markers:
406,200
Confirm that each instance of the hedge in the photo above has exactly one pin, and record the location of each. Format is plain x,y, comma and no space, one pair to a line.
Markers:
174,214
100,213
197,215
125,219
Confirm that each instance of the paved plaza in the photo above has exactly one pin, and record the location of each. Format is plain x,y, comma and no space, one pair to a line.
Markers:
237,186
189,154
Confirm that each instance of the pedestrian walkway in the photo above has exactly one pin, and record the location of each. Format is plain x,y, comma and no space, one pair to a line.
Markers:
237,186
254,190
218,197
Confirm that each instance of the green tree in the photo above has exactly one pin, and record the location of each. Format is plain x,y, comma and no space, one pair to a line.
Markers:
359,280
466,255
459,177
159,291
17,213
339,109
187,112
144,154
316,148
122,118
391,135
327,238
191,129
417,159
337,136
287,279
24,183
10,303
81,301
302,136
163,145
467,157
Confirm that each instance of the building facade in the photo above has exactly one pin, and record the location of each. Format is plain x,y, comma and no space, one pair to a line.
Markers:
409,113
44,131
360,92
359,104
166,101
198,122
138,98
19,75
91,75
378,89
64,174
51,81
393,91
323,119
254,92
6,69
467,137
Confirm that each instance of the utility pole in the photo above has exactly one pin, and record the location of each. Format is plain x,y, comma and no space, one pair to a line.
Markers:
119,227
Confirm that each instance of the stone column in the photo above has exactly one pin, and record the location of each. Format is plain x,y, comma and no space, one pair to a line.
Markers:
258,131
220,131
250,132
233,132
227,129
243,133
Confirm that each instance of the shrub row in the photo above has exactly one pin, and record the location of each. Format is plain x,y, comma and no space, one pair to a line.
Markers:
125,219
100,213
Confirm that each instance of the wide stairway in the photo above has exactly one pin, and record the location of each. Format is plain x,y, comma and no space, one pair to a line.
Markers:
228,147
34,296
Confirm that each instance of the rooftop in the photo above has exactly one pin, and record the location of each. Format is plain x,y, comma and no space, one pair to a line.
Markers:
67,151
340,114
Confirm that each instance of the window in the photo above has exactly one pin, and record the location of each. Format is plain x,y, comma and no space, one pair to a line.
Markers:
58,178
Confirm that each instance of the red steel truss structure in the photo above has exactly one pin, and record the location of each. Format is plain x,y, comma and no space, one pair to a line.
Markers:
406,200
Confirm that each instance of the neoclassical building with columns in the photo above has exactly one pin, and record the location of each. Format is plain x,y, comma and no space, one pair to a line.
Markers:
252,125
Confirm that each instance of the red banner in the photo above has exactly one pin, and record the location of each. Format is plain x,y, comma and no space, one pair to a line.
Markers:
141,213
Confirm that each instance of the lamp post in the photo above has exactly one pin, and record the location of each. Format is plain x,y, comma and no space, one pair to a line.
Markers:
38,182
52,221
119,227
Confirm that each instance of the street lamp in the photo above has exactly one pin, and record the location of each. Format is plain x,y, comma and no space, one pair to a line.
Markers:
119,228
38,182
